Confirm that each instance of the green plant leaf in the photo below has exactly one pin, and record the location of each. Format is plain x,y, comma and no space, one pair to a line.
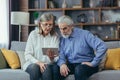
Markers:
35,14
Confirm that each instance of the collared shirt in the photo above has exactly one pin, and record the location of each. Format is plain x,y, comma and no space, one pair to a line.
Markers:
35,43
81,46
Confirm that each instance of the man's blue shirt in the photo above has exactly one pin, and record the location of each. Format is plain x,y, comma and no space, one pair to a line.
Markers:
81,46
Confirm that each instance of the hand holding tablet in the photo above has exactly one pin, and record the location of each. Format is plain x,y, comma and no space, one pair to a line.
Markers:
50,52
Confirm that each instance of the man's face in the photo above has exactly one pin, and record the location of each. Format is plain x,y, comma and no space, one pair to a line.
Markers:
65,29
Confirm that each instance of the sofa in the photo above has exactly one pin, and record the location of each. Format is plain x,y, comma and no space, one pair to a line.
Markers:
15,74
19,74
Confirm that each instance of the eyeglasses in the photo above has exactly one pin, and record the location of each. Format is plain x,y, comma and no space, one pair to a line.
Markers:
65,28
47,25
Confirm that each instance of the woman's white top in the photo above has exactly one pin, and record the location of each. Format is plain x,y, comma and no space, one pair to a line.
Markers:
35,43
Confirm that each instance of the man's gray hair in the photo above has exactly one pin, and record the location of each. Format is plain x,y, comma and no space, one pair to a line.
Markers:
46,17
65,19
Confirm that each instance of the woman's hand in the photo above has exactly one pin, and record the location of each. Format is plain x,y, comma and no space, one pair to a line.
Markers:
42,66
50,53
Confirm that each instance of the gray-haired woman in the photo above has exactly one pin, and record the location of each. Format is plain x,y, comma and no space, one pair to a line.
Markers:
37,64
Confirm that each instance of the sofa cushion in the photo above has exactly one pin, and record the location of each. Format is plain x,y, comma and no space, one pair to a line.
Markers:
21,57
12,58
113,44
13,74
106,75
18,46
3,62
70,77
113,59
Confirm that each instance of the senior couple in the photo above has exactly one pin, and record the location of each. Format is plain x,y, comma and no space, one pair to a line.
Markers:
76,50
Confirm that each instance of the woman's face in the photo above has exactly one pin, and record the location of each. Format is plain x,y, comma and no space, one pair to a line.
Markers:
46,26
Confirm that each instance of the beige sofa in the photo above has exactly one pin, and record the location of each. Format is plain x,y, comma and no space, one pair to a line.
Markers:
19,74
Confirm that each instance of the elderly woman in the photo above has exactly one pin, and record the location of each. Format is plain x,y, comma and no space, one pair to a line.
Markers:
37,64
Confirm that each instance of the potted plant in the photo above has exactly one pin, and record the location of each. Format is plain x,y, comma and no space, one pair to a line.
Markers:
36,15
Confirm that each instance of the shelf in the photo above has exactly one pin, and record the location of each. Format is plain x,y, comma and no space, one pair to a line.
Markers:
81,8
111,39
105,8
55,9
99,23
33,25
98,8
92,24
85,24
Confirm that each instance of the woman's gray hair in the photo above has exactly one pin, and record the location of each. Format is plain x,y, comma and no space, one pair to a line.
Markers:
46,17
65,19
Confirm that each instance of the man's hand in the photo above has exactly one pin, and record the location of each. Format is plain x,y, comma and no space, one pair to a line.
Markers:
42,66
64,70
87,63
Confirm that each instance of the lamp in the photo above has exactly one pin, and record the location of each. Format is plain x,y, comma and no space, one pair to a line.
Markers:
19,18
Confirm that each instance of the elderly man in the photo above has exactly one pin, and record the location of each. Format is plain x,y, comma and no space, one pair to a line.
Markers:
77,49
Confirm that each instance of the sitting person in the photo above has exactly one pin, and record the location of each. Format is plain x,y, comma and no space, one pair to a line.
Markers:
77,49
37,64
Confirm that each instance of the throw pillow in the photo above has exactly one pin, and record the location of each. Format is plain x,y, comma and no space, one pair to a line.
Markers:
3,63
12,58
21,57
113,59
102,63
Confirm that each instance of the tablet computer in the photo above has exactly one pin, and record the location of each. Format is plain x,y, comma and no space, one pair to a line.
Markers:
55,50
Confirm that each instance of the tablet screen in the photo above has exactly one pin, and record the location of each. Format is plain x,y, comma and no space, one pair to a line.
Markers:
53,49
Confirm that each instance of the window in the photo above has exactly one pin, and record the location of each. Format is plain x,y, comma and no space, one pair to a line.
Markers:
4,23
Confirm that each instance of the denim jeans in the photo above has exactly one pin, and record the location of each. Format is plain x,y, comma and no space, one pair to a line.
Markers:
80,71
56,73
35,73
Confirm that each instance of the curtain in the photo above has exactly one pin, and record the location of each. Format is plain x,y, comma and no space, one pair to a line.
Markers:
4,23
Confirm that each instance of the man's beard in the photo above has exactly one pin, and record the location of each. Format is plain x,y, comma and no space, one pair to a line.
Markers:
65,36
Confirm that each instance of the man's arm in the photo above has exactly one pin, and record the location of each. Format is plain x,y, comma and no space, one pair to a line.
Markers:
62,58
98,45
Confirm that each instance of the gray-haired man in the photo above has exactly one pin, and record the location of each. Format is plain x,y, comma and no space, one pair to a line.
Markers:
77,49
